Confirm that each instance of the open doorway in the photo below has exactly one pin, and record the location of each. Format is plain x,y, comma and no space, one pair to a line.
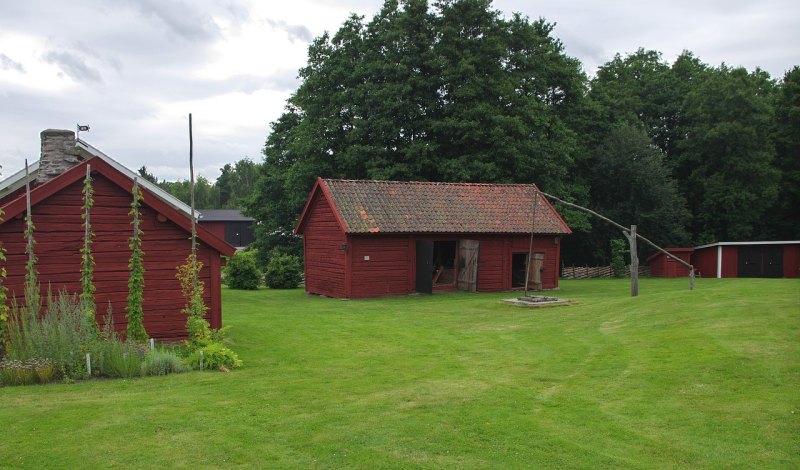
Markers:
519,263
444,262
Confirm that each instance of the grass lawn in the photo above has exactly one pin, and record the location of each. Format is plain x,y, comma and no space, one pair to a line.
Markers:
673,378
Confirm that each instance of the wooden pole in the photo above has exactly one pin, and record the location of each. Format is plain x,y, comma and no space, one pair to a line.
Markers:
28,218
86,232
530,247
191,185
195,274
626,230
634,261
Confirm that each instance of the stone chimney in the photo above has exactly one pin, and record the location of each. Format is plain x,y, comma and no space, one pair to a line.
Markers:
59,153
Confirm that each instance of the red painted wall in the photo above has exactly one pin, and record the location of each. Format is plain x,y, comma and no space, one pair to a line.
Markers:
59,238
705,261
791,260
730,261
391,267
388,269
664,266
324,257
217,228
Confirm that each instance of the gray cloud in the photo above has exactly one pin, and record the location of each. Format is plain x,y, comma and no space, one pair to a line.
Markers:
73,66
7,63
185,20
296,32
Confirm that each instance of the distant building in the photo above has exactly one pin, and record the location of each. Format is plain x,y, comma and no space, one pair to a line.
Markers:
732,259
662,265
748,259
228,224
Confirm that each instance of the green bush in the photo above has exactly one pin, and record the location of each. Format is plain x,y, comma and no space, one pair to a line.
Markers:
163,362
214,356
60,335
241,271
618,266
283,272
115,358
26,372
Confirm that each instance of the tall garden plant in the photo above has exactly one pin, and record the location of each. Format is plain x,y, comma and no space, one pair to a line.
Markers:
135,315
87,260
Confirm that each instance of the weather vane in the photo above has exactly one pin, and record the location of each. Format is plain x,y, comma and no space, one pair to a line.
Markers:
81,128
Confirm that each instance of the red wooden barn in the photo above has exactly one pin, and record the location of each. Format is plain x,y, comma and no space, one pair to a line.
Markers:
664,266
748,259
374,238
56,209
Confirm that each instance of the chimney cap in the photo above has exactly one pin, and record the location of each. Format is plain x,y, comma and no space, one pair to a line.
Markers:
53,132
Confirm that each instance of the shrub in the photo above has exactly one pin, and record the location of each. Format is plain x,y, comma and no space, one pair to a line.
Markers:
29,371
163,362
115,358
214,356
61,335
283,272
241,271
618,266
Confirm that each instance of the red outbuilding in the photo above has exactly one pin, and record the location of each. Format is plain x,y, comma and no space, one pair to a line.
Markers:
748,259
56,200
662,265
374,238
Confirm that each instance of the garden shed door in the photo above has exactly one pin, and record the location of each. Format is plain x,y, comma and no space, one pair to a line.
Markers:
424,281
468,265
535,272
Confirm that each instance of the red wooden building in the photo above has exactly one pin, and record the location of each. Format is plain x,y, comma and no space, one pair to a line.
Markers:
748,259
664,266
374,238
56,201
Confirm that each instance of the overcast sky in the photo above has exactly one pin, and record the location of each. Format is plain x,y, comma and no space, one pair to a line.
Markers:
134,69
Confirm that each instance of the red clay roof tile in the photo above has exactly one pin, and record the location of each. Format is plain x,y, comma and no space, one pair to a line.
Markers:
404,207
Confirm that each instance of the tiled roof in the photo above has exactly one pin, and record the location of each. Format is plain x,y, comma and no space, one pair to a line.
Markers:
405,207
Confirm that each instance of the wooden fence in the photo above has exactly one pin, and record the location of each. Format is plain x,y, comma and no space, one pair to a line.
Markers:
591,272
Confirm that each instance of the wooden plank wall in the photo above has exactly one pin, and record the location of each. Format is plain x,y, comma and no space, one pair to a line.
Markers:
323,254
59,238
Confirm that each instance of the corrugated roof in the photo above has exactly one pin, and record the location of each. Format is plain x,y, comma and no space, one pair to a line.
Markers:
404,207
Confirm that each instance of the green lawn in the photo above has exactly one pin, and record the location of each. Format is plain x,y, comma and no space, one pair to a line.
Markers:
673,378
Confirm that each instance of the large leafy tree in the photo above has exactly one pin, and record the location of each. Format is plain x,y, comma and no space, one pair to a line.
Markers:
729,152
633,185
453,92
784,223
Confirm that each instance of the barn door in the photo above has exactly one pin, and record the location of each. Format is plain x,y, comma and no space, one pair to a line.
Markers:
773,261
424,266
749,261
468,265
535,272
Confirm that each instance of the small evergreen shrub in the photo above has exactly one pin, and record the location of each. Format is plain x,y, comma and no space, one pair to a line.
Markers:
241,271
283,272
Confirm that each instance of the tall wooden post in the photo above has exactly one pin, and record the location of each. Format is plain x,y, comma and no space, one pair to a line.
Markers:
634,261
530,247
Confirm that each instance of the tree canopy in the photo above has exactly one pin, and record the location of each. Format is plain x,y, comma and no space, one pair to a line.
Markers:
455,91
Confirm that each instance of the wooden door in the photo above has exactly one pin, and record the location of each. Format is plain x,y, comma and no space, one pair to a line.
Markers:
535,272
468,251
773,261
750,261
424,266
